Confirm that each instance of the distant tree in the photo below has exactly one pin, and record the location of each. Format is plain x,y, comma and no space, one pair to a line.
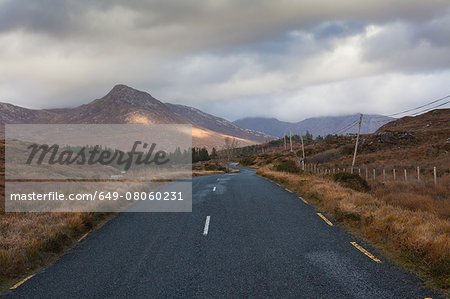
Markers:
308,137
330,136
203,155
277,141
229,146
213,153
195,155
200,155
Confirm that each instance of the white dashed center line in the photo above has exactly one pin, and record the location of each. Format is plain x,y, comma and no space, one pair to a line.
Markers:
205,230
214,189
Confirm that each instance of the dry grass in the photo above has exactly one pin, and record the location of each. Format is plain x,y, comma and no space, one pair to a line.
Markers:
31,240
211,168
206,172
415,197
212,172
415,233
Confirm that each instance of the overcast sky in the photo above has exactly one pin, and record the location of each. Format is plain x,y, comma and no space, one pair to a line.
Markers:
284,59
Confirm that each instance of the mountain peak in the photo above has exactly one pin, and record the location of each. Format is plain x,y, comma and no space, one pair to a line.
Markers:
121,89
121,94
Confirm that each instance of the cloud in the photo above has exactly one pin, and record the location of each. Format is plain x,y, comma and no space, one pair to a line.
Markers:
289,59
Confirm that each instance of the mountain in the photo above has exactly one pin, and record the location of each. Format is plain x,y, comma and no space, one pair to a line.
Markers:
125,105
271,126
216,124
10,114
316,126
122,104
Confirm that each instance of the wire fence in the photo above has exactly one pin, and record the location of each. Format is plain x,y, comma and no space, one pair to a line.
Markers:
397,174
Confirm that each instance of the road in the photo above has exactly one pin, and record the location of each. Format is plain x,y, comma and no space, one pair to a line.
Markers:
245,237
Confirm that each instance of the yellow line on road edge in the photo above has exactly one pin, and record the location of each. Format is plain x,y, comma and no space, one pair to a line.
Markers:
304,200
287,190
365,252
83,237
325,219
21,282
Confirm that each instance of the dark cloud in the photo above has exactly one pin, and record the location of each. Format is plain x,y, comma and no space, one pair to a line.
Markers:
411,47
271,57
338,29
45,16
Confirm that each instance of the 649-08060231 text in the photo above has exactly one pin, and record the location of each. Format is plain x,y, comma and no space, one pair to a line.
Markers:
98,195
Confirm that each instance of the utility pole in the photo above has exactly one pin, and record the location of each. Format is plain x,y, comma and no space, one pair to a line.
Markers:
290,138
285,145
303,150
357,140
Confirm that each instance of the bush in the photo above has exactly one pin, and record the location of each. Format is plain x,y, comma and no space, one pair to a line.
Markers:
215,166
341,215
249,160
347,150
352,181
287,166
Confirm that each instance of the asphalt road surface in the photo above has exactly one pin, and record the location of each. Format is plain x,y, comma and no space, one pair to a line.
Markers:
246,237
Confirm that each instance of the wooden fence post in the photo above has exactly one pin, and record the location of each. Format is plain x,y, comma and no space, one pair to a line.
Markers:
384,174
406,177
418,173
393,171
435,175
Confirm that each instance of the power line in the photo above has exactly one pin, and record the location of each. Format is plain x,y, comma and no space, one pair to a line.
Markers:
346,127
383,118
424,105
429,109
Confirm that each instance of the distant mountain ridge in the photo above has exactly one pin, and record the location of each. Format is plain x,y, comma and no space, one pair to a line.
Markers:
126,105
316,126
216,124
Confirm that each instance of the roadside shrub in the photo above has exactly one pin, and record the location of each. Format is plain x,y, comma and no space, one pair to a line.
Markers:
249,160
352,181
341,215
214,166
287,166
347,150
56,242
266,161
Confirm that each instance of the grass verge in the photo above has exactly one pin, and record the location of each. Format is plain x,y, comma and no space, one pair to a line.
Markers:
29,241
202,169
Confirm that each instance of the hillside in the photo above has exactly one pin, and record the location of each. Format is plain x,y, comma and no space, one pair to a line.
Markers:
216,124
125,105
423,139
433,121
316,126
271,126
